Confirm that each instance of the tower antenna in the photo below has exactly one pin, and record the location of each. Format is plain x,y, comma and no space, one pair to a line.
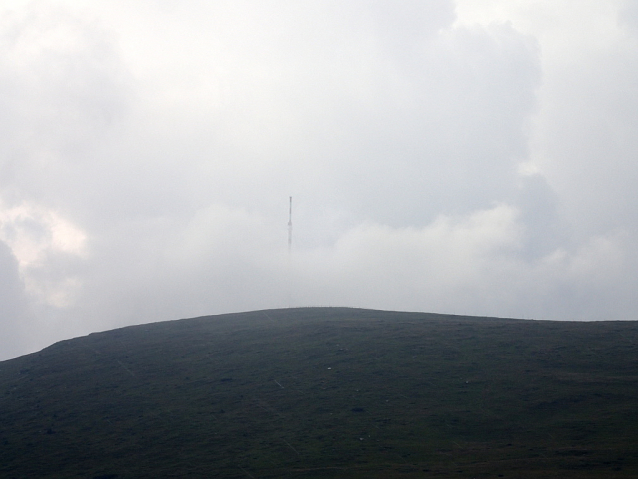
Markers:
290,227
289,252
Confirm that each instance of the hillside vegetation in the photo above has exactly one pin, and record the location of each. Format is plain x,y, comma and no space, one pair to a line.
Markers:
327,392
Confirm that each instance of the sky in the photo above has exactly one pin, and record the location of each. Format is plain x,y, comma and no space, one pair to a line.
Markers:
470,157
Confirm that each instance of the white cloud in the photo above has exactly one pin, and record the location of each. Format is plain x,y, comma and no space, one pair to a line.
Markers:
36,237
468,157
405,268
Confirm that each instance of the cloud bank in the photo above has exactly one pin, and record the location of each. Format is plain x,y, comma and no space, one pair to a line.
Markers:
442,156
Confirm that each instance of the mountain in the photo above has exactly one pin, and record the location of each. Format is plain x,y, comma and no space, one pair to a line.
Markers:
327,392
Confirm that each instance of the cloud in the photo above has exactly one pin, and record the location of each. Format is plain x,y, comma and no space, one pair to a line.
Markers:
408,268
62,92
441,155
40,239
15,318
473,264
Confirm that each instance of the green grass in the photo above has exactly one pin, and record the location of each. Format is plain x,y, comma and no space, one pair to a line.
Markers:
327,393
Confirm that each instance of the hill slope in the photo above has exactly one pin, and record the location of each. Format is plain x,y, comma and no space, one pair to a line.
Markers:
327,392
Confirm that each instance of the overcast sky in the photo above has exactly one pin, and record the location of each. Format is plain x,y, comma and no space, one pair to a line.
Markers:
471,157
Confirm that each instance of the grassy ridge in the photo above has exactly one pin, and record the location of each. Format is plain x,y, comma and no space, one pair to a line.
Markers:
327,392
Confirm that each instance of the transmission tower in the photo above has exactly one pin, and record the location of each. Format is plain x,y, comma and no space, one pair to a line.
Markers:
290,227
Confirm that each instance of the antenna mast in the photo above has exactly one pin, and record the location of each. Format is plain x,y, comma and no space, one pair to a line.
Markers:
290,252
290,226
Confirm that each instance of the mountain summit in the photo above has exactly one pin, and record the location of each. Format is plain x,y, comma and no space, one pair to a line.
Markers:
327,392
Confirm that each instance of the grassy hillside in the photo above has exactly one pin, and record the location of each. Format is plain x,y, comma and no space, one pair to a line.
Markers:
327,392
